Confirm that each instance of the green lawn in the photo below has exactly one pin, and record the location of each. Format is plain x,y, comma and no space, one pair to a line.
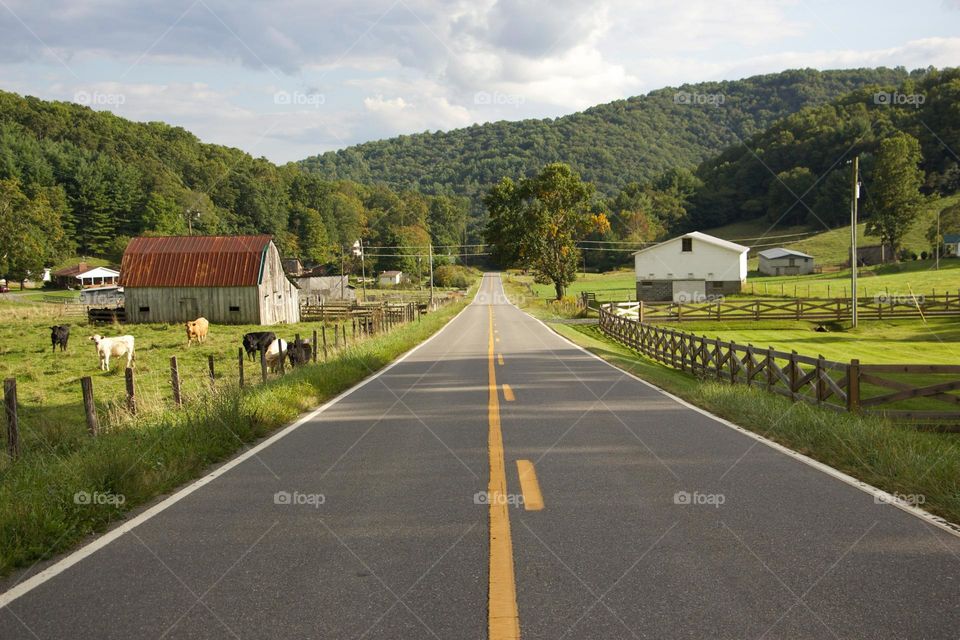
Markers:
902,341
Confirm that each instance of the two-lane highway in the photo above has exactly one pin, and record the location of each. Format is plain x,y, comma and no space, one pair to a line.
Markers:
497,482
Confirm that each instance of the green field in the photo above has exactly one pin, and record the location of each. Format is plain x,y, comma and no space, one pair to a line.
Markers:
902,341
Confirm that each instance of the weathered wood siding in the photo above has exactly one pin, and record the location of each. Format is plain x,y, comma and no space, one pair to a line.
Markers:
279,298
221,305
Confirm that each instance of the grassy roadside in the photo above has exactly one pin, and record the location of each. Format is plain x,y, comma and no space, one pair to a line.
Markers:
40,514
897,459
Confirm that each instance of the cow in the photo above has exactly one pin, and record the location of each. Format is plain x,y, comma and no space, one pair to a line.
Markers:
197,330
256,341
273,352
59,334
300,352
118,346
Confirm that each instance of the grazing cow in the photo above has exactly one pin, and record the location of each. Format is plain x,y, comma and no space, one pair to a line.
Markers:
300,352
273,353
59,334
257,340
118,346
197,330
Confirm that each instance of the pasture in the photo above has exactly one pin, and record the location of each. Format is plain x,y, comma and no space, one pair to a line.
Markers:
48,383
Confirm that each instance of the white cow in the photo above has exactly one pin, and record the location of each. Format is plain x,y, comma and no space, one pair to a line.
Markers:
272,354
118,346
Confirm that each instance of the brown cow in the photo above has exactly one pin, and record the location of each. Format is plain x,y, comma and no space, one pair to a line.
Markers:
197,330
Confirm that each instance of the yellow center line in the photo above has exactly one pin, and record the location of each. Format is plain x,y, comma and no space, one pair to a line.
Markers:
503,618
532,498
500,359
508,393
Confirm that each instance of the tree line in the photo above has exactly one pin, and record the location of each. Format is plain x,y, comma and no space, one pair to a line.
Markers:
77,181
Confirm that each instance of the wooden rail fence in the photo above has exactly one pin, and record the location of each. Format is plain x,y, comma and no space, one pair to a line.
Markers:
813,309
920,393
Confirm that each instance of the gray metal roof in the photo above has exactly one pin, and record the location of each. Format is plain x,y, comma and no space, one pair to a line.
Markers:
780,252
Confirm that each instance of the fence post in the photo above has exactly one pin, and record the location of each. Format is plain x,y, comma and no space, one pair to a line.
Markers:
323,331
13,423
853,386
821,385
336,335
353,323
770,363
86,385
793,374
344,331
240,364
131,391
750,365
212,372
732,360
314,350
175,381
283,354
263,364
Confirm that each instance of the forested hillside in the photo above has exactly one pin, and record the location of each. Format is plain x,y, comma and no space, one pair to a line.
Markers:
610,145
804,156
77,180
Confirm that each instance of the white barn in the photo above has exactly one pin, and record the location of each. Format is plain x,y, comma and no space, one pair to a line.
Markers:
694,267
784,262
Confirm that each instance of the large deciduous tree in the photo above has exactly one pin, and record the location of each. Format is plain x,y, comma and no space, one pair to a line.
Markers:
895,185
31,234
538,221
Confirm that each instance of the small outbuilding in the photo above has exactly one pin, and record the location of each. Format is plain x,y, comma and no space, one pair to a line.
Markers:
694,267
318,289
98,277
110,295
951,245
784,262
225,279
390,278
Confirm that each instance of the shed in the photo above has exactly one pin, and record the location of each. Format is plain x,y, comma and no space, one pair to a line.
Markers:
316,289
107,295
225,279
98,277
694,267
951,244
784,262
390,278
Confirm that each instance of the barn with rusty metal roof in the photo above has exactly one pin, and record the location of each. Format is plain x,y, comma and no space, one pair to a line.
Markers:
225,279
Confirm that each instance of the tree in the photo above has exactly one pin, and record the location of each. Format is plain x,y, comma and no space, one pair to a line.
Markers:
895,185
789,196
540,220
31,235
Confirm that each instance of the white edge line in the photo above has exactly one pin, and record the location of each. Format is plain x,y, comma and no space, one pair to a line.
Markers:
879,494
62,565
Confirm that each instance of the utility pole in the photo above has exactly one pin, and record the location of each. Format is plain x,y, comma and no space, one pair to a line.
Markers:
855,194
343,285
936,249
431,274
363,271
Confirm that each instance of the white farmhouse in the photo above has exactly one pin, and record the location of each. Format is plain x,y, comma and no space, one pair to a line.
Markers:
691,268
784,262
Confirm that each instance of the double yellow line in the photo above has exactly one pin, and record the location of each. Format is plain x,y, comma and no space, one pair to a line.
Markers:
503,621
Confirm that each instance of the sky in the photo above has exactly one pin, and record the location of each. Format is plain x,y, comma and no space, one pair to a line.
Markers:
289,79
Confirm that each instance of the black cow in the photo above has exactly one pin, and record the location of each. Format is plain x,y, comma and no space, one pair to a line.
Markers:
257,341
59,334
300,352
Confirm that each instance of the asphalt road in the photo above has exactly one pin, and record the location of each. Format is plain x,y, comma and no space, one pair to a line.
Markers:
372,520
